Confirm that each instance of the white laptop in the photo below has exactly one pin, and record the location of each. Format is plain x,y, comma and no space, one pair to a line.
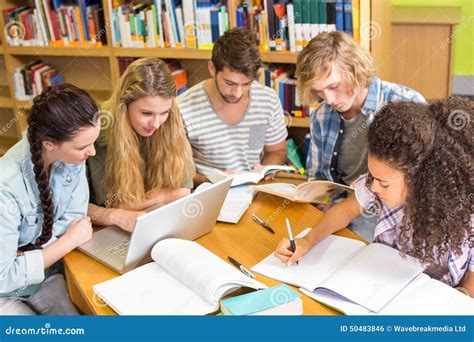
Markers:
186,218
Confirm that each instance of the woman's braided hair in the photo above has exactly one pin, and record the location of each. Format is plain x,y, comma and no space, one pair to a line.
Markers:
57,114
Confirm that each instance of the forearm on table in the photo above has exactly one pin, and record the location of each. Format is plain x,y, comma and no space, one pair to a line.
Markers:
335,219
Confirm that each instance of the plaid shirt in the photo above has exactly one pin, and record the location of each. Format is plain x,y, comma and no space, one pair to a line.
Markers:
452,268
327,128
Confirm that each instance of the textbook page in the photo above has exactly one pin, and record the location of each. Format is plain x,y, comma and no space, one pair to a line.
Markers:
374,276
423,296
320,262
185,279
208,275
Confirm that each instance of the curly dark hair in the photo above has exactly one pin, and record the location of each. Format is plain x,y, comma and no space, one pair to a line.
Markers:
57,114
237,50
432,145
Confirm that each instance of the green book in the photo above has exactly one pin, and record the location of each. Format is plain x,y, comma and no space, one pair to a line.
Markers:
275,300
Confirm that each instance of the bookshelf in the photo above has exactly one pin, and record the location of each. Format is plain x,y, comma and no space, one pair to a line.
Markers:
96,69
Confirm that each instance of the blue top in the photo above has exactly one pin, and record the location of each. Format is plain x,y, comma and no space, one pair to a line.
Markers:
21,216
327,127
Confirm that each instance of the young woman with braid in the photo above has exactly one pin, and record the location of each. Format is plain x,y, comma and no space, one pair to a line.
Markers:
43,201
143,157
421,180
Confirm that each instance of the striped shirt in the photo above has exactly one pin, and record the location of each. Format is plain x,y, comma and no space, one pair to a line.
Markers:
452,268
218,144
327,127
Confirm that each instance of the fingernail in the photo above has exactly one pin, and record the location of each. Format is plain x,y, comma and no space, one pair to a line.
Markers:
289,263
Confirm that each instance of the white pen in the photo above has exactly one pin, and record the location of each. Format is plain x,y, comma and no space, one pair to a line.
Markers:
290,236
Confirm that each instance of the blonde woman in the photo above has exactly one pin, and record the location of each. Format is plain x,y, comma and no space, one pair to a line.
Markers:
143,157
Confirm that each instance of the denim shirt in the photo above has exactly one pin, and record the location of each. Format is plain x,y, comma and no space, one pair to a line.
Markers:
21,216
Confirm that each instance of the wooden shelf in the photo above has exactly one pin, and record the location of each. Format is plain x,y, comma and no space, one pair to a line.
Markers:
58,51
279,57
98,95
2,49
298,122
5,100
267,57
163,53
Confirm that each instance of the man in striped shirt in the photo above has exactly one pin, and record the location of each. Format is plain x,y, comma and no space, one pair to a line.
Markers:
233,122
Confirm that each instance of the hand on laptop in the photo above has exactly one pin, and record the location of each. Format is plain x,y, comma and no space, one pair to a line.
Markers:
160,197
125,219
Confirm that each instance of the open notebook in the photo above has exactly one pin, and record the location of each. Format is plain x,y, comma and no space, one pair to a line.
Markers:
355,278
184,279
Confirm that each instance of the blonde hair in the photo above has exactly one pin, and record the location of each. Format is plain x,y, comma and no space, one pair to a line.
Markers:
136,164
323,51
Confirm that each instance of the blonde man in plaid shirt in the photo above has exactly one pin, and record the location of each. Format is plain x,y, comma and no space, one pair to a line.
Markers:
419,186
340,74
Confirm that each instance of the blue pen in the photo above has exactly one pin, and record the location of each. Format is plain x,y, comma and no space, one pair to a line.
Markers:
290,236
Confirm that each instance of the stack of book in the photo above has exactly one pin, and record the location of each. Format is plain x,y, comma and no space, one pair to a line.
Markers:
284,25
178,72
281,78
56,23
30,79
168,23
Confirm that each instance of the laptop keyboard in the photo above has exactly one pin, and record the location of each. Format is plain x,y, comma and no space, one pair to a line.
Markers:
120,249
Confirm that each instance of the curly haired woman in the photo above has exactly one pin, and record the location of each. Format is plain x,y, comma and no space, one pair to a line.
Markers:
420,178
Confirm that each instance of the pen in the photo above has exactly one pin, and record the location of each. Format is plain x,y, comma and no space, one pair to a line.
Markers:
241,267
263,223
290,236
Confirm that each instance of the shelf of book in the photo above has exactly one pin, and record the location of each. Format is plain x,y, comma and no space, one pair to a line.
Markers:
59,51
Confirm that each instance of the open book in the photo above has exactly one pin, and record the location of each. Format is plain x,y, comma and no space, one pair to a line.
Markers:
355,278
248,177
184,279
318,191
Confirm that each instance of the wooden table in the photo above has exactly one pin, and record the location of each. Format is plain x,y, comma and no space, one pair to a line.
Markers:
246,241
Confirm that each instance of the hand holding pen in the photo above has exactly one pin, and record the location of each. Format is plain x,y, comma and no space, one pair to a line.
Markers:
290,253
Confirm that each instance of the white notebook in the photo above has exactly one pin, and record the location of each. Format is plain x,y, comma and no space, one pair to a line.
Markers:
236,203
370,276
184,279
